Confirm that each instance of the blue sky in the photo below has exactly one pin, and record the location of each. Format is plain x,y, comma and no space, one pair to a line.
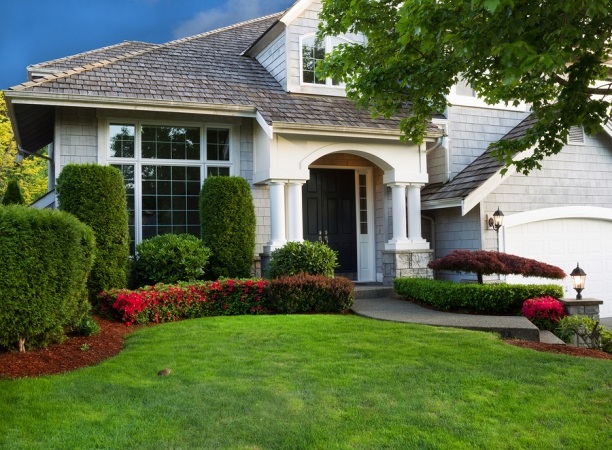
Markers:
40,30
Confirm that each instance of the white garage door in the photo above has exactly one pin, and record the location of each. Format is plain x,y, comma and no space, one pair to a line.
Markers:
563,243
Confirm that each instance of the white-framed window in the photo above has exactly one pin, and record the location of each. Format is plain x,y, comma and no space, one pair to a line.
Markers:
164,166
313,50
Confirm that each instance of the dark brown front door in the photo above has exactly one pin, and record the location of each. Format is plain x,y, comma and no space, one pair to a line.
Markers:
329,215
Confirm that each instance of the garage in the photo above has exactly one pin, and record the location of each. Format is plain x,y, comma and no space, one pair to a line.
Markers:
547,236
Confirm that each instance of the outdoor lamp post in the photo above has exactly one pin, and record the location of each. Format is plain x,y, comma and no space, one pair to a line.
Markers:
496,222
578,280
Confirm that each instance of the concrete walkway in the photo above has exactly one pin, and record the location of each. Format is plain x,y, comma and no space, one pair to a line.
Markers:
400,310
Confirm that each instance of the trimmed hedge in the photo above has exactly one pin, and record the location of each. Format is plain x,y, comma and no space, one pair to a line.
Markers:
314,258
227,217
96,196
167,303
485,298
46,259
169,258
310,293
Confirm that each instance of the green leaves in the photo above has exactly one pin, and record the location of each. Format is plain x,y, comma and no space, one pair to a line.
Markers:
547,54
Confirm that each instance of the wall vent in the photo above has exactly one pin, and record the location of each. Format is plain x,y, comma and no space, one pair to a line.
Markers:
576,135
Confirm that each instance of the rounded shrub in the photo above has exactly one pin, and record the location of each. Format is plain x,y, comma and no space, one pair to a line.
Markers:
170,258
47,256
227,217
96,196
314,258
13,194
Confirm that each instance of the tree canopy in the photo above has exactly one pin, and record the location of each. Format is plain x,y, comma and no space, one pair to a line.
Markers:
550,54
483,262
31,171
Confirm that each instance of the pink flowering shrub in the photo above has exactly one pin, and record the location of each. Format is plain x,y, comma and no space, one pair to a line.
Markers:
544,312
166,303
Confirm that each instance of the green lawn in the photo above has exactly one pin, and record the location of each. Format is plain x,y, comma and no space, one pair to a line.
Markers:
314,381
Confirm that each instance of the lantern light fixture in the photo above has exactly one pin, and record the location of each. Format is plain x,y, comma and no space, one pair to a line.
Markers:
578,280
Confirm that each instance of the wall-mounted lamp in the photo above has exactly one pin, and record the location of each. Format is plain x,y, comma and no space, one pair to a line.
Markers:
578,280
495,222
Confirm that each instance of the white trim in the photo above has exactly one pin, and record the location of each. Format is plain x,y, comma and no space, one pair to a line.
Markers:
333,130
130,104
561,212
294,11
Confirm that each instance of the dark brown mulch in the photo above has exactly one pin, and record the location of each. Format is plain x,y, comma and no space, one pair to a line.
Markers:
565,349
80,351
75,352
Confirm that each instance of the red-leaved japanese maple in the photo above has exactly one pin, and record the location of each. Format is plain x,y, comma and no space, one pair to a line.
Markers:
483,262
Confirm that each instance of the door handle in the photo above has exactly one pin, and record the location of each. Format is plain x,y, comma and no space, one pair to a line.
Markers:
320,239
326,238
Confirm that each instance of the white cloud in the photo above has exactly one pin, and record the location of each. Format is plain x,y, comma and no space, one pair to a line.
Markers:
232,11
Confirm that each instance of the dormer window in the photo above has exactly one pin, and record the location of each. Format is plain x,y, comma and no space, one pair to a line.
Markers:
313,50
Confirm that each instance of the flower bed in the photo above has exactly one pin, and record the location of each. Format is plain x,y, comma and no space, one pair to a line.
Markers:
166,303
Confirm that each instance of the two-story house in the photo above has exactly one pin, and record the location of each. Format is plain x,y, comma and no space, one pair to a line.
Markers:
245,100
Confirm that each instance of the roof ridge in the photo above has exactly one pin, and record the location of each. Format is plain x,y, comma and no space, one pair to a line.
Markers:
88,52
108,61
225,28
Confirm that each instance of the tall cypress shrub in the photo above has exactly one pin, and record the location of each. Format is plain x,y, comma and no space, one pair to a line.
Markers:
96,196
13,194
227,217
47,256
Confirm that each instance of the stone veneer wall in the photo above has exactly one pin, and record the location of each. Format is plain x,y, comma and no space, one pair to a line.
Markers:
406,263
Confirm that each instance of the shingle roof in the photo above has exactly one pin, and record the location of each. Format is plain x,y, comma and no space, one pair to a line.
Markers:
206,68
474,175
93,56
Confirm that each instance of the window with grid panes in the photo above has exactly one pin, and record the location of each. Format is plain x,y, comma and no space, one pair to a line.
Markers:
163,167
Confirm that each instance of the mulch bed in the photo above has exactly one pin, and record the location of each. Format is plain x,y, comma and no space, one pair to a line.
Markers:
78,351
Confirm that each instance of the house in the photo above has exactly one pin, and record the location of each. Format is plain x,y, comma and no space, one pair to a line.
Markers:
244,100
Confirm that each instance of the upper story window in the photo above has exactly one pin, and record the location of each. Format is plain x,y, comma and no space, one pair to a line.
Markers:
313,50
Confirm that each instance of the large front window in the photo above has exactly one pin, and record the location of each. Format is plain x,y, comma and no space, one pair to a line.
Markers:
163,167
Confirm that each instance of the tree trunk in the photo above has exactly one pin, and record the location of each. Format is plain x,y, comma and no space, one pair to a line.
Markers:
479,275
21,343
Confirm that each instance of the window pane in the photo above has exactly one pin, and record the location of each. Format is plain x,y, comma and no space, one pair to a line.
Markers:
170,142
217,144
172,203
313,51
127,171
122,140
217,171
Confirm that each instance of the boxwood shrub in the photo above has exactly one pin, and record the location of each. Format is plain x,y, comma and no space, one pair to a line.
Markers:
169,258
310,293
227,218
314,258
46,258
484,298
96,196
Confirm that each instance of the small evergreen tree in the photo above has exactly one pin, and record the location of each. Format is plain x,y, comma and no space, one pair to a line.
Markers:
13,194
227,217
96,196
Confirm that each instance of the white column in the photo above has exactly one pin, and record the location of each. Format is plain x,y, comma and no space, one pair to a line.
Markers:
294,209
398,204
277,216
414,214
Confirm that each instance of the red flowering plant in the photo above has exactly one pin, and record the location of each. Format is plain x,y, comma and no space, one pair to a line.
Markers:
167,303
544,312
